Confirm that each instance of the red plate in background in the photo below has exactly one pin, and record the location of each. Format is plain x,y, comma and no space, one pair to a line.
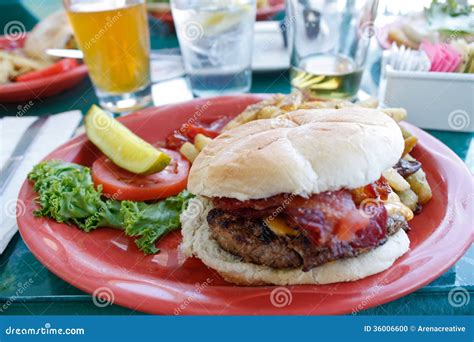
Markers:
264,13
41,88
108,263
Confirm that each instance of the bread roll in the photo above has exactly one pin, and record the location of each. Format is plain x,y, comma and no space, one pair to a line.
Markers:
303,152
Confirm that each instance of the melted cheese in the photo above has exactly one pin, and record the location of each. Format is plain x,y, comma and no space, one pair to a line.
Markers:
395,206
279,226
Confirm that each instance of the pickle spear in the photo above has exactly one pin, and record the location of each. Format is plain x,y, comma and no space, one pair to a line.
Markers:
121,145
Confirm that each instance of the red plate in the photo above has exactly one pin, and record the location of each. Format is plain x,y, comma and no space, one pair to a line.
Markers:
41,88
167,283
264,13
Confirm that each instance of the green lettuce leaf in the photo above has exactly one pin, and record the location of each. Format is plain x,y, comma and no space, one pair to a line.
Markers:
66,193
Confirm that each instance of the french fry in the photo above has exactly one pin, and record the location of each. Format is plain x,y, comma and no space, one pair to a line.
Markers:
410,143
420,186
409,198
251,113
311,105
269,112
397,114
200,141
291,101
397,182
189,151
405,133
6,69
369,103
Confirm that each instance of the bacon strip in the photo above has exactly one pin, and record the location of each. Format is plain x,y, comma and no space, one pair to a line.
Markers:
329,219
327,216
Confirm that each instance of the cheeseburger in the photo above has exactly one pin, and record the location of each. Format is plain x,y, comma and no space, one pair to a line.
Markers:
299,199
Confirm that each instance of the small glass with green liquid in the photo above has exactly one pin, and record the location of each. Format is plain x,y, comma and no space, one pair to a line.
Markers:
327,77
329,42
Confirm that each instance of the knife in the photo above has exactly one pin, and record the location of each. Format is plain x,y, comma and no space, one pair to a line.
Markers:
20,150
78,54
66,53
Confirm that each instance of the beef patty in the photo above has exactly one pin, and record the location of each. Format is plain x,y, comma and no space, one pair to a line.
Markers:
251,240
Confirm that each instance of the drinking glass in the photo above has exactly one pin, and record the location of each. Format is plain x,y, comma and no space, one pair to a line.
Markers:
114,37
216,39
329,41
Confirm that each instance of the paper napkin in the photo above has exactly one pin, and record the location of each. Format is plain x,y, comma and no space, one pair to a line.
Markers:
57,130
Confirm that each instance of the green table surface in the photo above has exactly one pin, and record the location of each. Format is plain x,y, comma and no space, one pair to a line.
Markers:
43,293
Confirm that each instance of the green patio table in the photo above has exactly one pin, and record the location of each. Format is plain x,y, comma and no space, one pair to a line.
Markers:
49,295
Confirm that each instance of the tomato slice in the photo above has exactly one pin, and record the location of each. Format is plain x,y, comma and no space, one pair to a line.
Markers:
57,68
120,184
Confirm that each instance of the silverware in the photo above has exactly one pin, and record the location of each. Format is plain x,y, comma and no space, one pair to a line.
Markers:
66,53
20,150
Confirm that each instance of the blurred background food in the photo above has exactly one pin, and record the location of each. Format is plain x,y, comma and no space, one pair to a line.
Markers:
442,33
29,55
441,21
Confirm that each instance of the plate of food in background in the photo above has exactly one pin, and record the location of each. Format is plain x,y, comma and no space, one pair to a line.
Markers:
27,72
266,9
438,23
104,210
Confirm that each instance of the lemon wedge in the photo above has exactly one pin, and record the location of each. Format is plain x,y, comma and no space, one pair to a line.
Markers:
220,21
121,145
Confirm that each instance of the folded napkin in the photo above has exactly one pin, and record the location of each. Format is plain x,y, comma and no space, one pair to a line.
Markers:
57,130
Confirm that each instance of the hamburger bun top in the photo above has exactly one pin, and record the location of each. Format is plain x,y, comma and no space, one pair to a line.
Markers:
303,152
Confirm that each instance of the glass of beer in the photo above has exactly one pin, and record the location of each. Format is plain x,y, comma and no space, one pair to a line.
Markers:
114,37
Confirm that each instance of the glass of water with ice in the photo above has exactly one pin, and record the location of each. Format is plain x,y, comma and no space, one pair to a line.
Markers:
216,39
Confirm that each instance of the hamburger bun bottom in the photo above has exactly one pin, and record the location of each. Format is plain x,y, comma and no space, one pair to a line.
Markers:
197,241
